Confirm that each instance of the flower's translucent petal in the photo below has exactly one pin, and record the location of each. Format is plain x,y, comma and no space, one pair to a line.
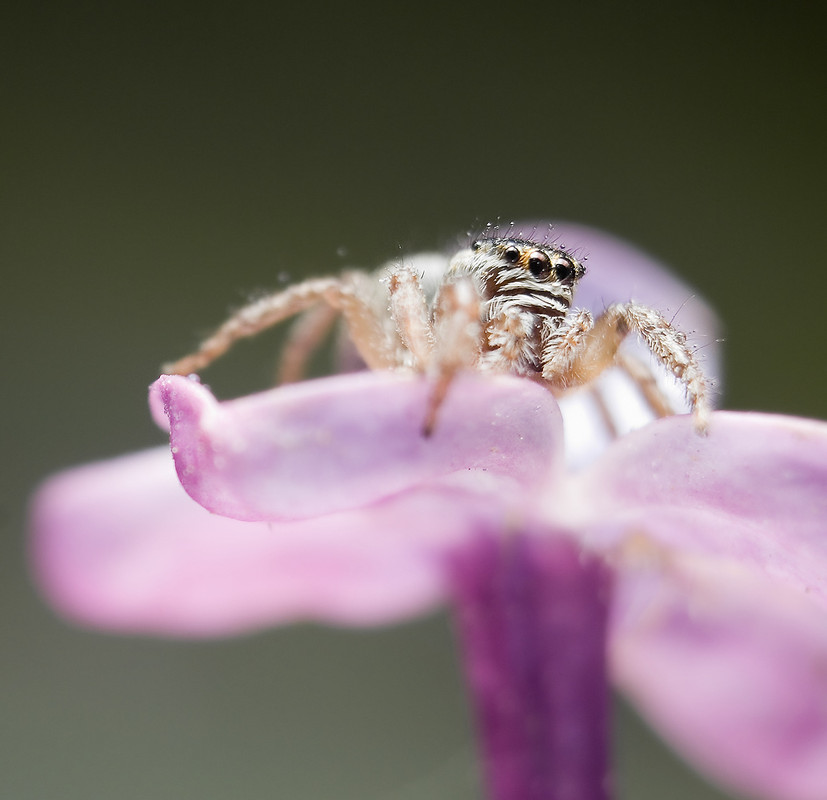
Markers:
340,443
731,668
732,664
119,544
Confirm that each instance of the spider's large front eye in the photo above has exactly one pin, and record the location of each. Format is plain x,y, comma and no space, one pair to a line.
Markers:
563,269
539,265
512,254
476,245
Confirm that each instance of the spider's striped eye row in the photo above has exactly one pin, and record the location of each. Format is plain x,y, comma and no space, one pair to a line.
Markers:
539,263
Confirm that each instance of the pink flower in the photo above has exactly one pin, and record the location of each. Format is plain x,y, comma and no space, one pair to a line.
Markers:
700,561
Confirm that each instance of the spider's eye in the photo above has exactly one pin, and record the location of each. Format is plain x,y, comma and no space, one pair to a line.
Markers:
564,269
512,254
539,265
476,245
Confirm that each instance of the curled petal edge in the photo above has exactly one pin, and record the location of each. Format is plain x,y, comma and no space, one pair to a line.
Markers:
340,443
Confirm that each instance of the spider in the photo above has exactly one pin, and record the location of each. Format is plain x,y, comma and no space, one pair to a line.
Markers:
504,304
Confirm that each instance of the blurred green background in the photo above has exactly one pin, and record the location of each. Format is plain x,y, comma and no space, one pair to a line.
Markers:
162,162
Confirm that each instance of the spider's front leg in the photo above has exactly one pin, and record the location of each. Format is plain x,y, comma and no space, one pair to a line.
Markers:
457,335
347,295
441,343
576,353
411,316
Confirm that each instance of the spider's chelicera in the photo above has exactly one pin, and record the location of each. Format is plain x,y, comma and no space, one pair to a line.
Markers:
504,305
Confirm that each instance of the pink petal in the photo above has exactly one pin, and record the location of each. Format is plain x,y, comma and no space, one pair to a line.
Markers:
341,443
754,489
119,544
733,670
730,662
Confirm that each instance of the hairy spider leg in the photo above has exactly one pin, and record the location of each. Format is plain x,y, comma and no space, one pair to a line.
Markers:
457,335
410,312
372,339
643,377
304,338
582,349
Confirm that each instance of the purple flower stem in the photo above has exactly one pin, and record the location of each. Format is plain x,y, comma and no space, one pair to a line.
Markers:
532,614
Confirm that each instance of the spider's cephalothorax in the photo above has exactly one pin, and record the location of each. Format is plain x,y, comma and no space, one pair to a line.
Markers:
525,291
503,305
516,273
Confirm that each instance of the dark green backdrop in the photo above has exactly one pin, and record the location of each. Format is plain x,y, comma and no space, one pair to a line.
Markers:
161,162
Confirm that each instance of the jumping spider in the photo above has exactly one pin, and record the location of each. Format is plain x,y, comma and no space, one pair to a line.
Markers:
504,305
